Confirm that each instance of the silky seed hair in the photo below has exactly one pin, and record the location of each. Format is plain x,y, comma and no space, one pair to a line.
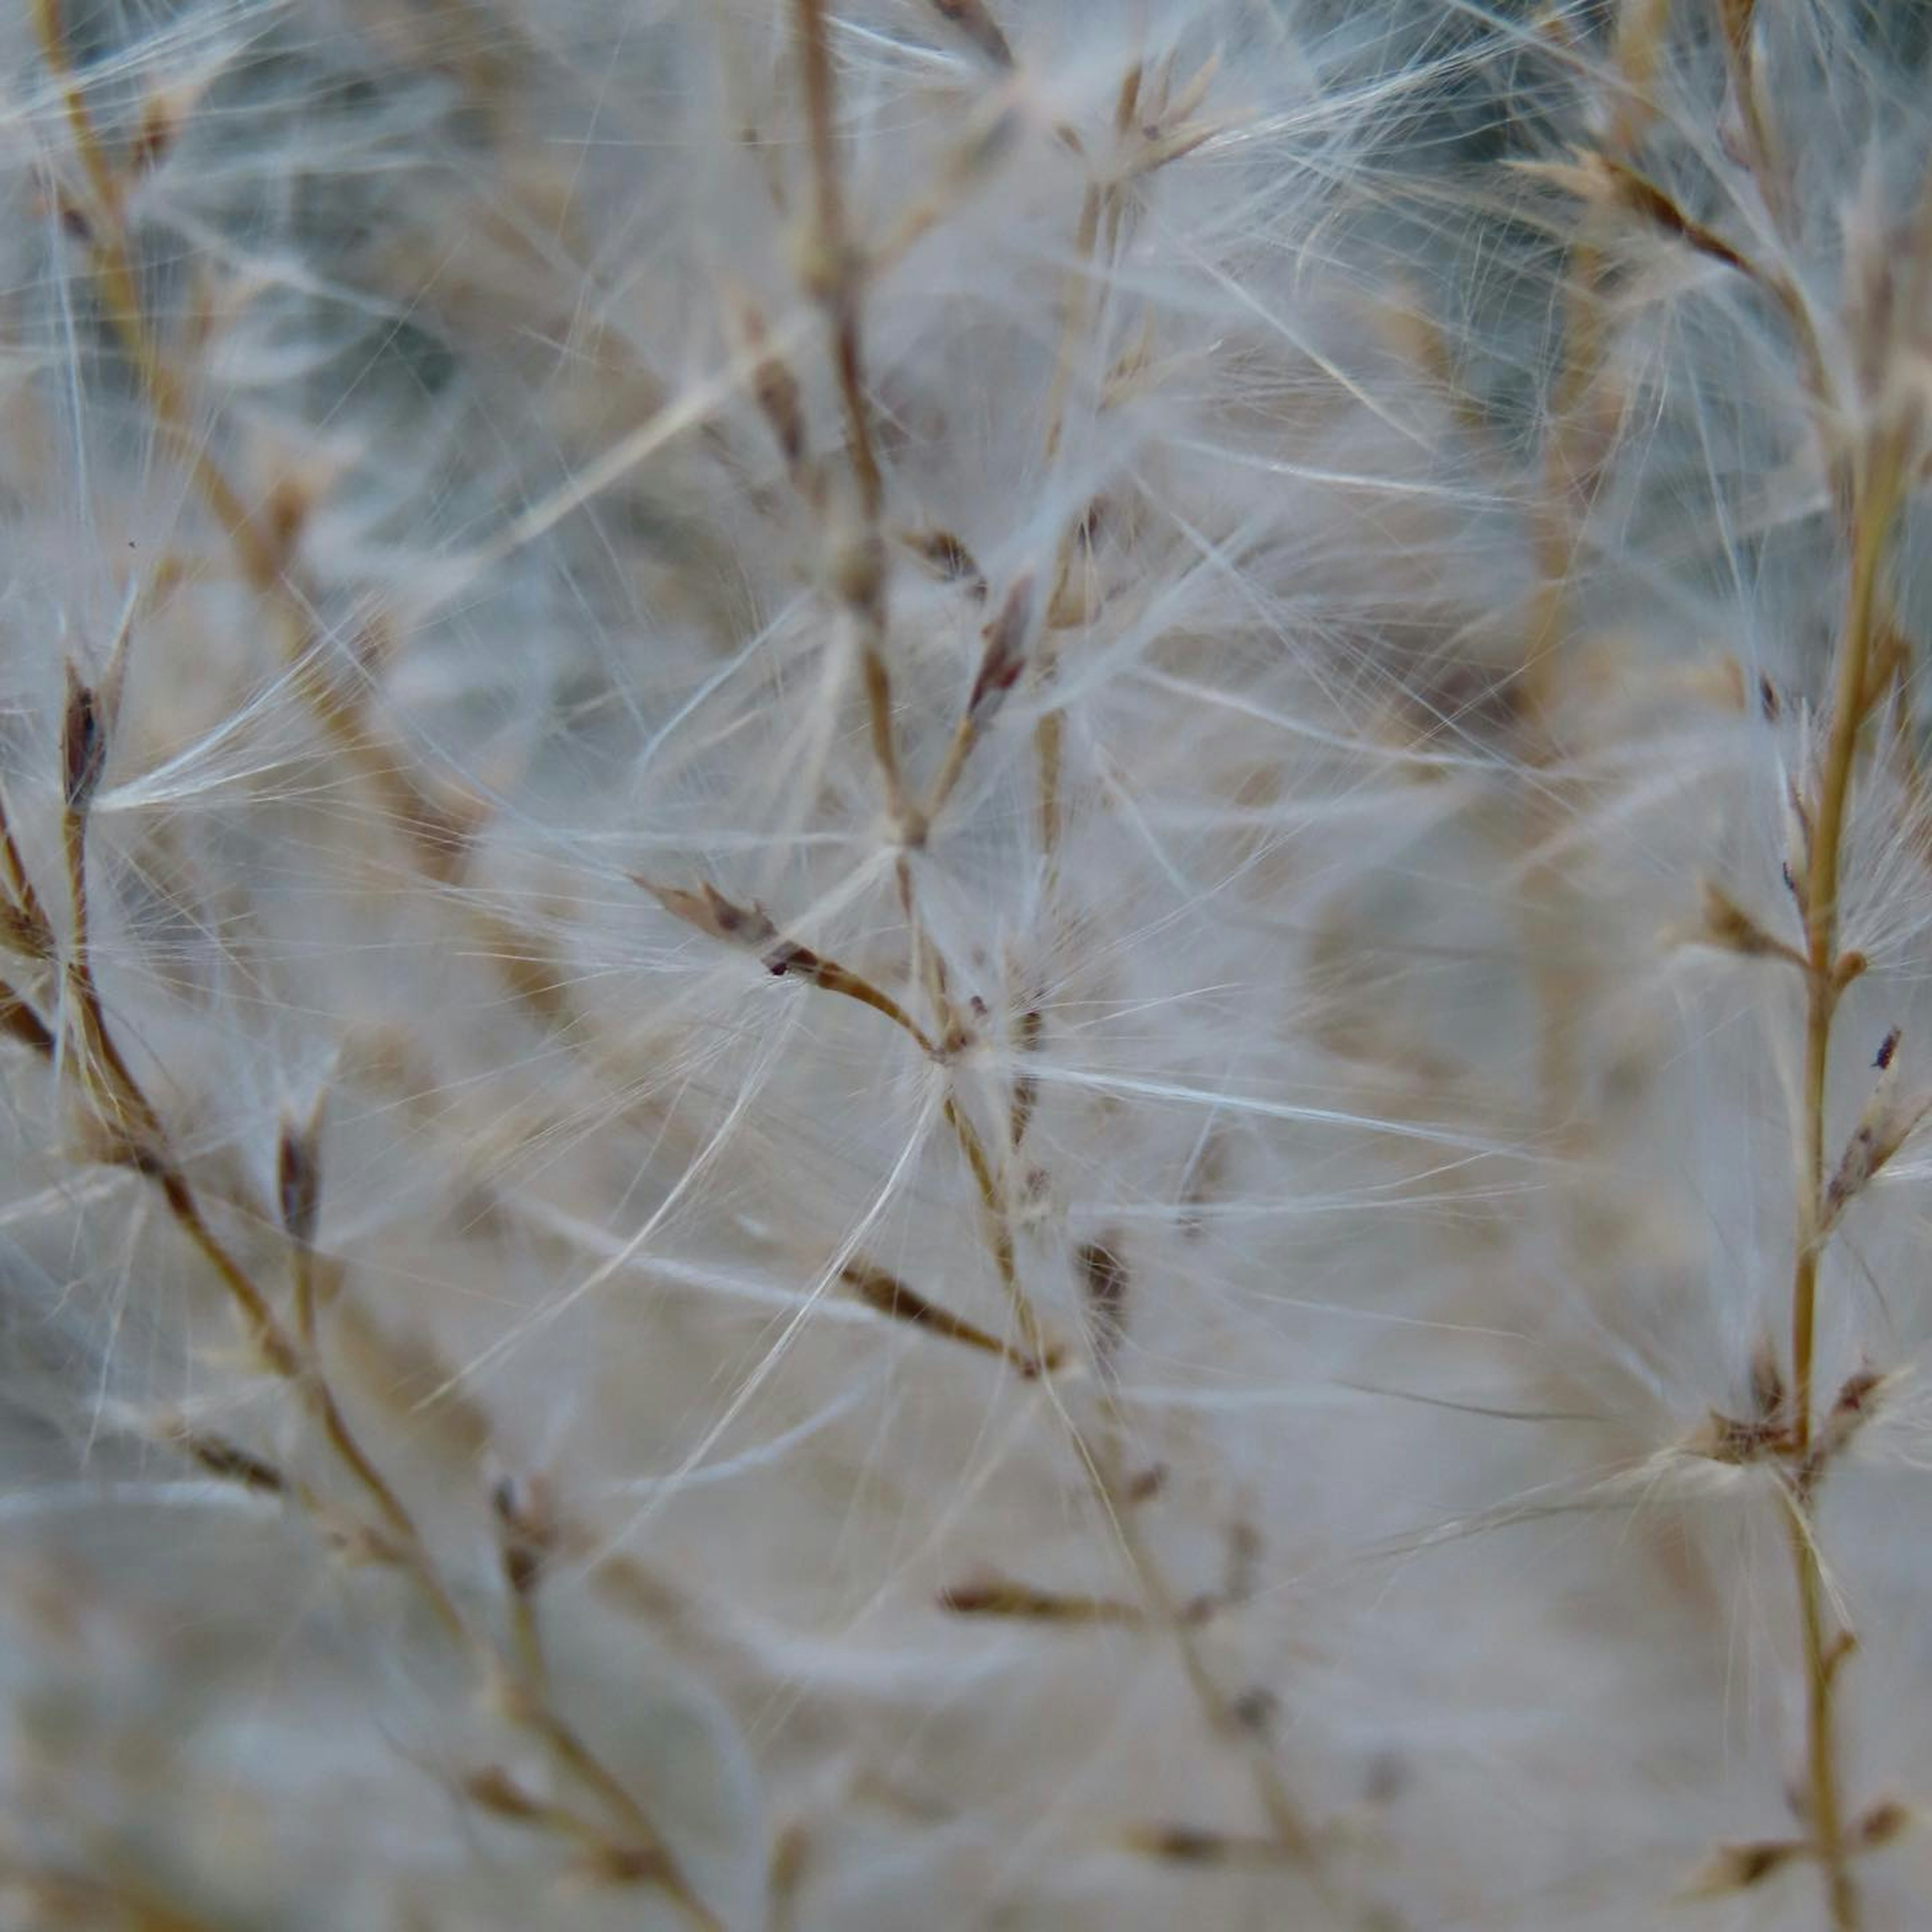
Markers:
961,964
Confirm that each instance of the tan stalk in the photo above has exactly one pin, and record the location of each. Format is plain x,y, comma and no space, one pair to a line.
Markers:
1875,503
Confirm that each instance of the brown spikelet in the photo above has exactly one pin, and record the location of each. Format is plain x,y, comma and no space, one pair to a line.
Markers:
947,555
973,18
83,745
1103,1277
20,1023
1888,1120
1769,1394
1882,1823
528,1531
1006,653
888,1296
231,1462
991,1594
1732,1868
1183,1844
298,1181
712,913
775,389
494,1790
1727,926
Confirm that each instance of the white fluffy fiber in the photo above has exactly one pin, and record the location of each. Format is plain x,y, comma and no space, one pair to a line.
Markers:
1395,574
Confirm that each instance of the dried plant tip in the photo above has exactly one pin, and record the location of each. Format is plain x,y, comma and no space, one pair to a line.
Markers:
1174,146
630,1865
789,960
1006,637
526,1521
1175,107
1180,1844
887,1295
991,1595
231,1462
83,745
24,925
494,1790
20,1023
1797,837
1733,1439
712,914
1767,1382
973,19
1032,1027
1601,181
949,556
1103,1277
1858,1399
1729,927
1197,1845
298,1181
1886,1123
1738,1867
22,935
359,1545
1882,1823
160,121
1856,1396
775,389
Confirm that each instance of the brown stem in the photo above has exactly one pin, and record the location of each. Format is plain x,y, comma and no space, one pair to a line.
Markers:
1874,501
835,281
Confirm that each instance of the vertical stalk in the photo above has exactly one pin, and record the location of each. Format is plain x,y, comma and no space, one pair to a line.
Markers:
1874,499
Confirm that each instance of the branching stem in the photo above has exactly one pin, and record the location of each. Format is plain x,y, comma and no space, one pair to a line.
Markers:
1874,502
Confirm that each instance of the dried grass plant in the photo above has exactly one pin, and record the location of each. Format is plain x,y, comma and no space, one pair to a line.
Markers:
962,965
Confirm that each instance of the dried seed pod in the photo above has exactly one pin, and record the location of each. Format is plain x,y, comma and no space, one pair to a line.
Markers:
1103,1276
1738,1867
231,1462
1729,927
974,20
1006,639
887,1295
494,1790
1886,1123
83,745
1882,1823
298,1180
989,1593
949,556
712,913
19,1022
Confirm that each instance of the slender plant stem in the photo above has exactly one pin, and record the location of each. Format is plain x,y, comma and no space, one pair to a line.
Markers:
1874,499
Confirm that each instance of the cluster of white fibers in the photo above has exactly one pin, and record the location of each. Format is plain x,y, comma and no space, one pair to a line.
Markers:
960,964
